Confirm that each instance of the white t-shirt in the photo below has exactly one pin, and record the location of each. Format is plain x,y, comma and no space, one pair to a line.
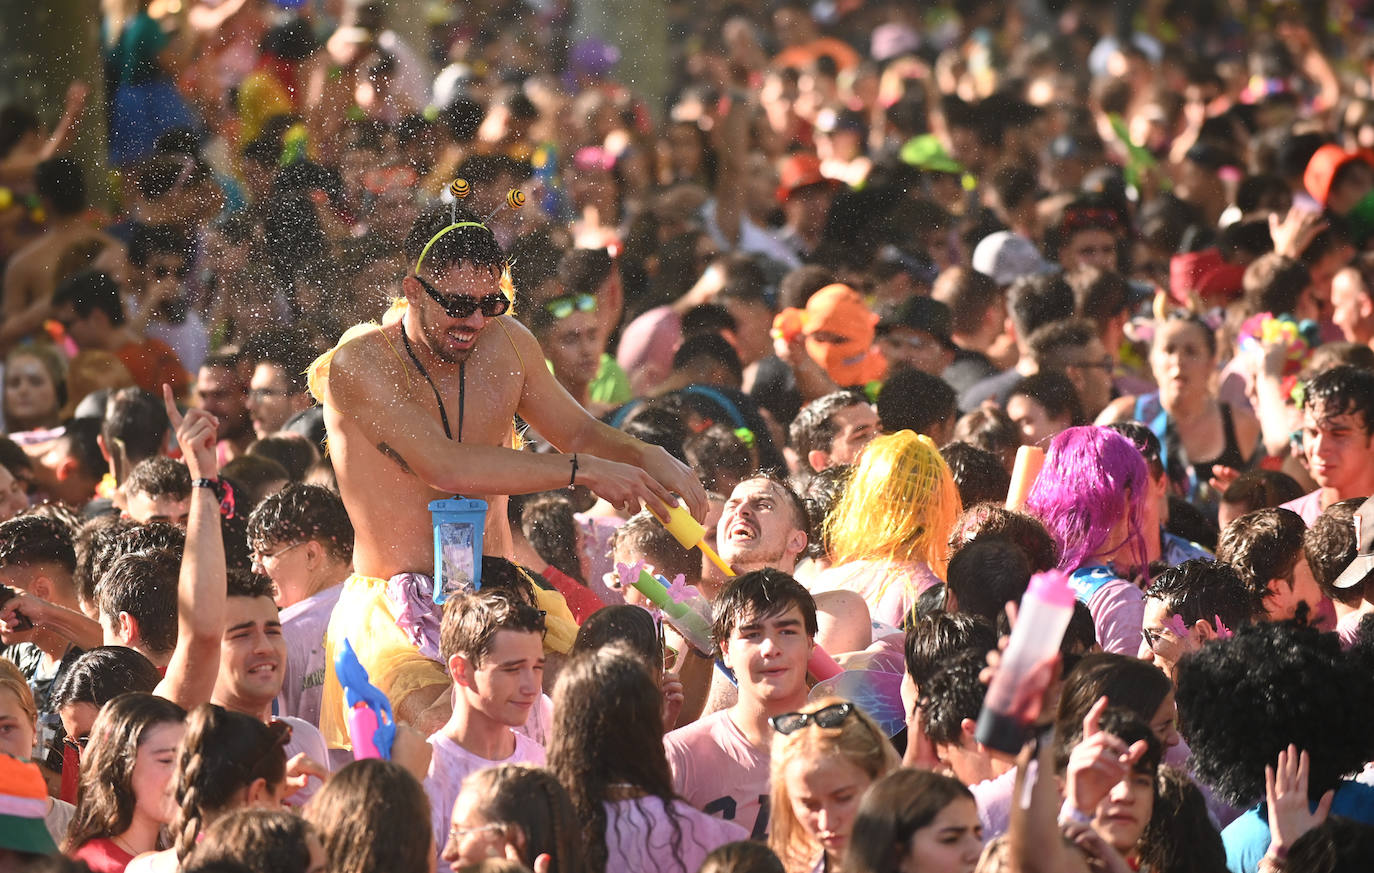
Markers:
305,737
451,764
303,625
639,836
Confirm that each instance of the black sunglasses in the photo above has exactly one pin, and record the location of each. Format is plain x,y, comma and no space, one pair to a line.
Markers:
464,305
831,716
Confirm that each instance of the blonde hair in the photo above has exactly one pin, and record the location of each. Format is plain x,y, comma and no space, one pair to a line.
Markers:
858,740
899,505
13,681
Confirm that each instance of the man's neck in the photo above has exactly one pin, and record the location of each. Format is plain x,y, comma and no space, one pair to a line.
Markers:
751,716
330,576
261,711
478,733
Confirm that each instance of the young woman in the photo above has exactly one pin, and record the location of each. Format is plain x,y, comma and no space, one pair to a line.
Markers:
18,731
373,815
226,761
35,388
915,821
264,840
887,534
823,760
515,807
122,802
608,752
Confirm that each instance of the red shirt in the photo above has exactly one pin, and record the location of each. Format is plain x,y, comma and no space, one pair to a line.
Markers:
103,856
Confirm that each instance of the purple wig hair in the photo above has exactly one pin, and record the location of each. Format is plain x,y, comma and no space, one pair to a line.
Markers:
1091,476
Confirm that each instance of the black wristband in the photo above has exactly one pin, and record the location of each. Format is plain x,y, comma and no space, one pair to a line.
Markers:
212,484
572,480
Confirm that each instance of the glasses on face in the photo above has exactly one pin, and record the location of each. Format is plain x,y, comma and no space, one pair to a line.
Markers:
464,305
562,307
831,716
1151,637
260,557
457,833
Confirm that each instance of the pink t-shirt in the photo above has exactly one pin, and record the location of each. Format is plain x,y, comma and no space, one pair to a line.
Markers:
451,764
303,625
1118,610
717,770
890,588
1309,506
639,836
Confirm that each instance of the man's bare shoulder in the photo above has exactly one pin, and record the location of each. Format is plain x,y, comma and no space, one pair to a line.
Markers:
366,354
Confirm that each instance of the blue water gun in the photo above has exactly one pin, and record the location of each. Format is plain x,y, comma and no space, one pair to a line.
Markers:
371,727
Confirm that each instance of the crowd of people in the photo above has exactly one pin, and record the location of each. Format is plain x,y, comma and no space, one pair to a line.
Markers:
804,314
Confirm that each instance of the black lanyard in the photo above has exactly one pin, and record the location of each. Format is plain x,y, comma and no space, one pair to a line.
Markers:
462,387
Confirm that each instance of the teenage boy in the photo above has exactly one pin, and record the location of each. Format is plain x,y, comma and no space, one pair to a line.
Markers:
302,540
1337,438
493,645
1188,605
765,628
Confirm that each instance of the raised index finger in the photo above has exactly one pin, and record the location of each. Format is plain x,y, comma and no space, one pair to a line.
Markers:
1092,719
173,415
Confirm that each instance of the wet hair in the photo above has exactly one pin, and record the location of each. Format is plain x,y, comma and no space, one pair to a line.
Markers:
1263,546
858,741
1330,546
659,422
978,474
1205,590
87,291
1055,392
35,539
814,428
621,624
757,596
61,182
719,457
608,730
303,512
991,430
534,801
1092,477
145,586
821,495
915,400
743,856
951,694
222,753
1033,301
471,621
1025,530
159,476
373,815
269,840
987,574
1180,836
548,522
99,675
134,428
646,539
1336,845
127,537
473,245
1343,390
1128,683
105,797
1274,684
292,451
893,810
935,637
899,505
1048,341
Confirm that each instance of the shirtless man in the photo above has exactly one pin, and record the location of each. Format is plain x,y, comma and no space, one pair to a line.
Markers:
422,409
31,274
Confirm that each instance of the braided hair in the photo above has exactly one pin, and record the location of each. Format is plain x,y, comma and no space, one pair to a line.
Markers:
222,753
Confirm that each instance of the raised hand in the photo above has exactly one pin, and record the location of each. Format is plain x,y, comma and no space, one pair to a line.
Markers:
1285,791
196,435
1098,762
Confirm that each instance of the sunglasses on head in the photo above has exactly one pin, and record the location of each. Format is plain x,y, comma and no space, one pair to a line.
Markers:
831,716
464,305
562,307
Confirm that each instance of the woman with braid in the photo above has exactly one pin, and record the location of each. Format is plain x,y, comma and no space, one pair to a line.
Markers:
608,752
226,761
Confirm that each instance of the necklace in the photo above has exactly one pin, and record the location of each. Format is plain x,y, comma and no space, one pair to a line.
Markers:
123,846
462,386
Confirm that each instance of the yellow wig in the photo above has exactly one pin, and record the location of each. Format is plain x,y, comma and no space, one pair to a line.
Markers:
900,505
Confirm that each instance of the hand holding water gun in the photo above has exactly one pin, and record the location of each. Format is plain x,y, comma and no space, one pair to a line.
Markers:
371,726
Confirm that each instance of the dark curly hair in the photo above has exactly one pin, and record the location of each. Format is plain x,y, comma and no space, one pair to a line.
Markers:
1242,700
303,512
1180,836
1263,546
952,694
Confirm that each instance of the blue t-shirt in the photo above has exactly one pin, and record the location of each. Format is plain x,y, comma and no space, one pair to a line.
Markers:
1247,838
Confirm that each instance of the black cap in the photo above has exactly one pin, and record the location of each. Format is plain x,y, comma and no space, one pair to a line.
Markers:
921,313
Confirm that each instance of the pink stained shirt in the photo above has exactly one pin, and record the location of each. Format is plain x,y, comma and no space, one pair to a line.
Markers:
451,764
889,587
718,771
303,625
1309,506
639,836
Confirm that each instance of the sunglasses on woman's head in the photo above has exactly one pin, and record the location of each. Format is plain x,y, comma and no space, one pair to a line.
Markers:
831,716
464,305
562,307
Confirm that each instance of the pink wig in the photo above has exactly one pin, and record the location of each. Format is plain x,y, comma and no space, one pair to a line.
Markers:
1092,476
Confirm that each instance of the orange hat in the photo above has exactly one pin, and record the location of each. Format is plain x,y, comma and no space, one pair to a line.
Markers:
1326,162
799,171
840,310
23,805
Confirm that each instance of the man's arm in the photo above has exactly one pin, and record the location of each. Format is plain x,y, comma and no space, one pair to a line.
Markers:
201,587
54,627
407,432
